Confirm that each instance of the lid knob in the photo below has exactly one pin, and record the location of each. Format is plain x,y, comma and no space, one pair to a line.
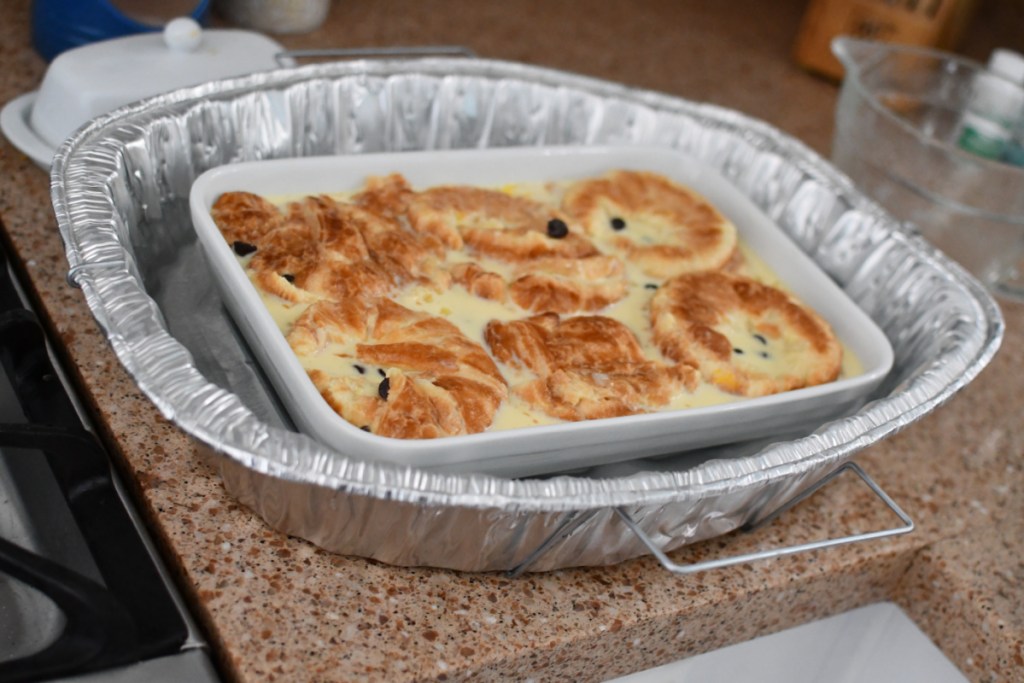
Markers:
183,34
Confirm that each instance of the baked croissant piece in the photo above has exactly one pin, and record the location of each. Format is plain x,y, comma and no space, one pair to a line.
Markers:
584,367
746,337
397,372
655,223
527,251
320,248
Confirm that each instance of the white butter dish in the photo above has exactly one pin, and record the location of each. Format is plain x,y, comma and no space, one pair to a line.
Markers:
87,81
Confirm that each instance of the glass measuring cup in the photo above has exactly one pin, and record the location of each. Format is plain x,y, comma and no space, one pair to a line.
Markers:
898,118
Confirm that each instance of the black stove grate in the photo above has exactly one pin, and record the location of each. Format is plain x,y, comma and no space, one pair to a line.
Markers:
130,616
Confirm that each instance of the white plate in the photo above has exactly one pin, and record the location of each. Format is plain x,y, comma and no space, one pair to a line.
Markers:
548,448
15,122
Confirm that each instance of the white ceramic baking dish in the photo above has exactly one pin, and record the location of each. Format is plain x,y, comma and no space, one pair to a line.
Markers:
547,448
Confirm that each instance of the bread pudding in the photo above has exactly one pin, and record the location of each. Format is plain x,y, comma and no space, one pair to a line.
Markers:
439,311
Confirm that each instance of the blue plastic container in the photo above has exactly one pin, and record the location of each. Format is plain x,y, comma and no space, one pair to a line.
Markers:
59,25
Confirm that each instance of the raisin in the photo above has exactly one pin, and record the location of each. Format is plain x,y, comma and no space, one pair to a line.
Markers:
738,351
760,338
359,368
618,223
650,285
289,277
557,228
384,388
243,248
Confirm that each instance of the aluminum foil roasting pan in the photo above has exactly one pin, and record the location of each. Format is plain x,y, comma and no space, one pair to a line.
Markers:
120,191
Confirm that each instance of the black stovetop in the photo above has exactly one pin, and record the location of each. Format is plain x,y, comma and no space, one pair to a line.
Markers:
80,590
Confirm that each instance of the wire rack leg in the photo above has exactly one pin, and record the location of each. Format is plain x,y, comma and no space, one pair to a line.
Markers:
571,522
906,527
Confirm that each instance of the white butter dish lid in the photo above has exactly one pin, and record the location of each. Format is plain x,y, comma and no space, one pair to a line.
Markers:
97,78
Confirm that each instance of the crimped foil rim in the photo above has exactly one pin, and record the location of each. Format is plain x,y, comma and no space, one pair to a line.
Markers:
159,363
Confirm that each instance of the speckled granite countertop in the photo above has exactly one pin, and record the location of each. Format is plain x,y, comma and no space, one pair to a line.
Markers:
276,608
